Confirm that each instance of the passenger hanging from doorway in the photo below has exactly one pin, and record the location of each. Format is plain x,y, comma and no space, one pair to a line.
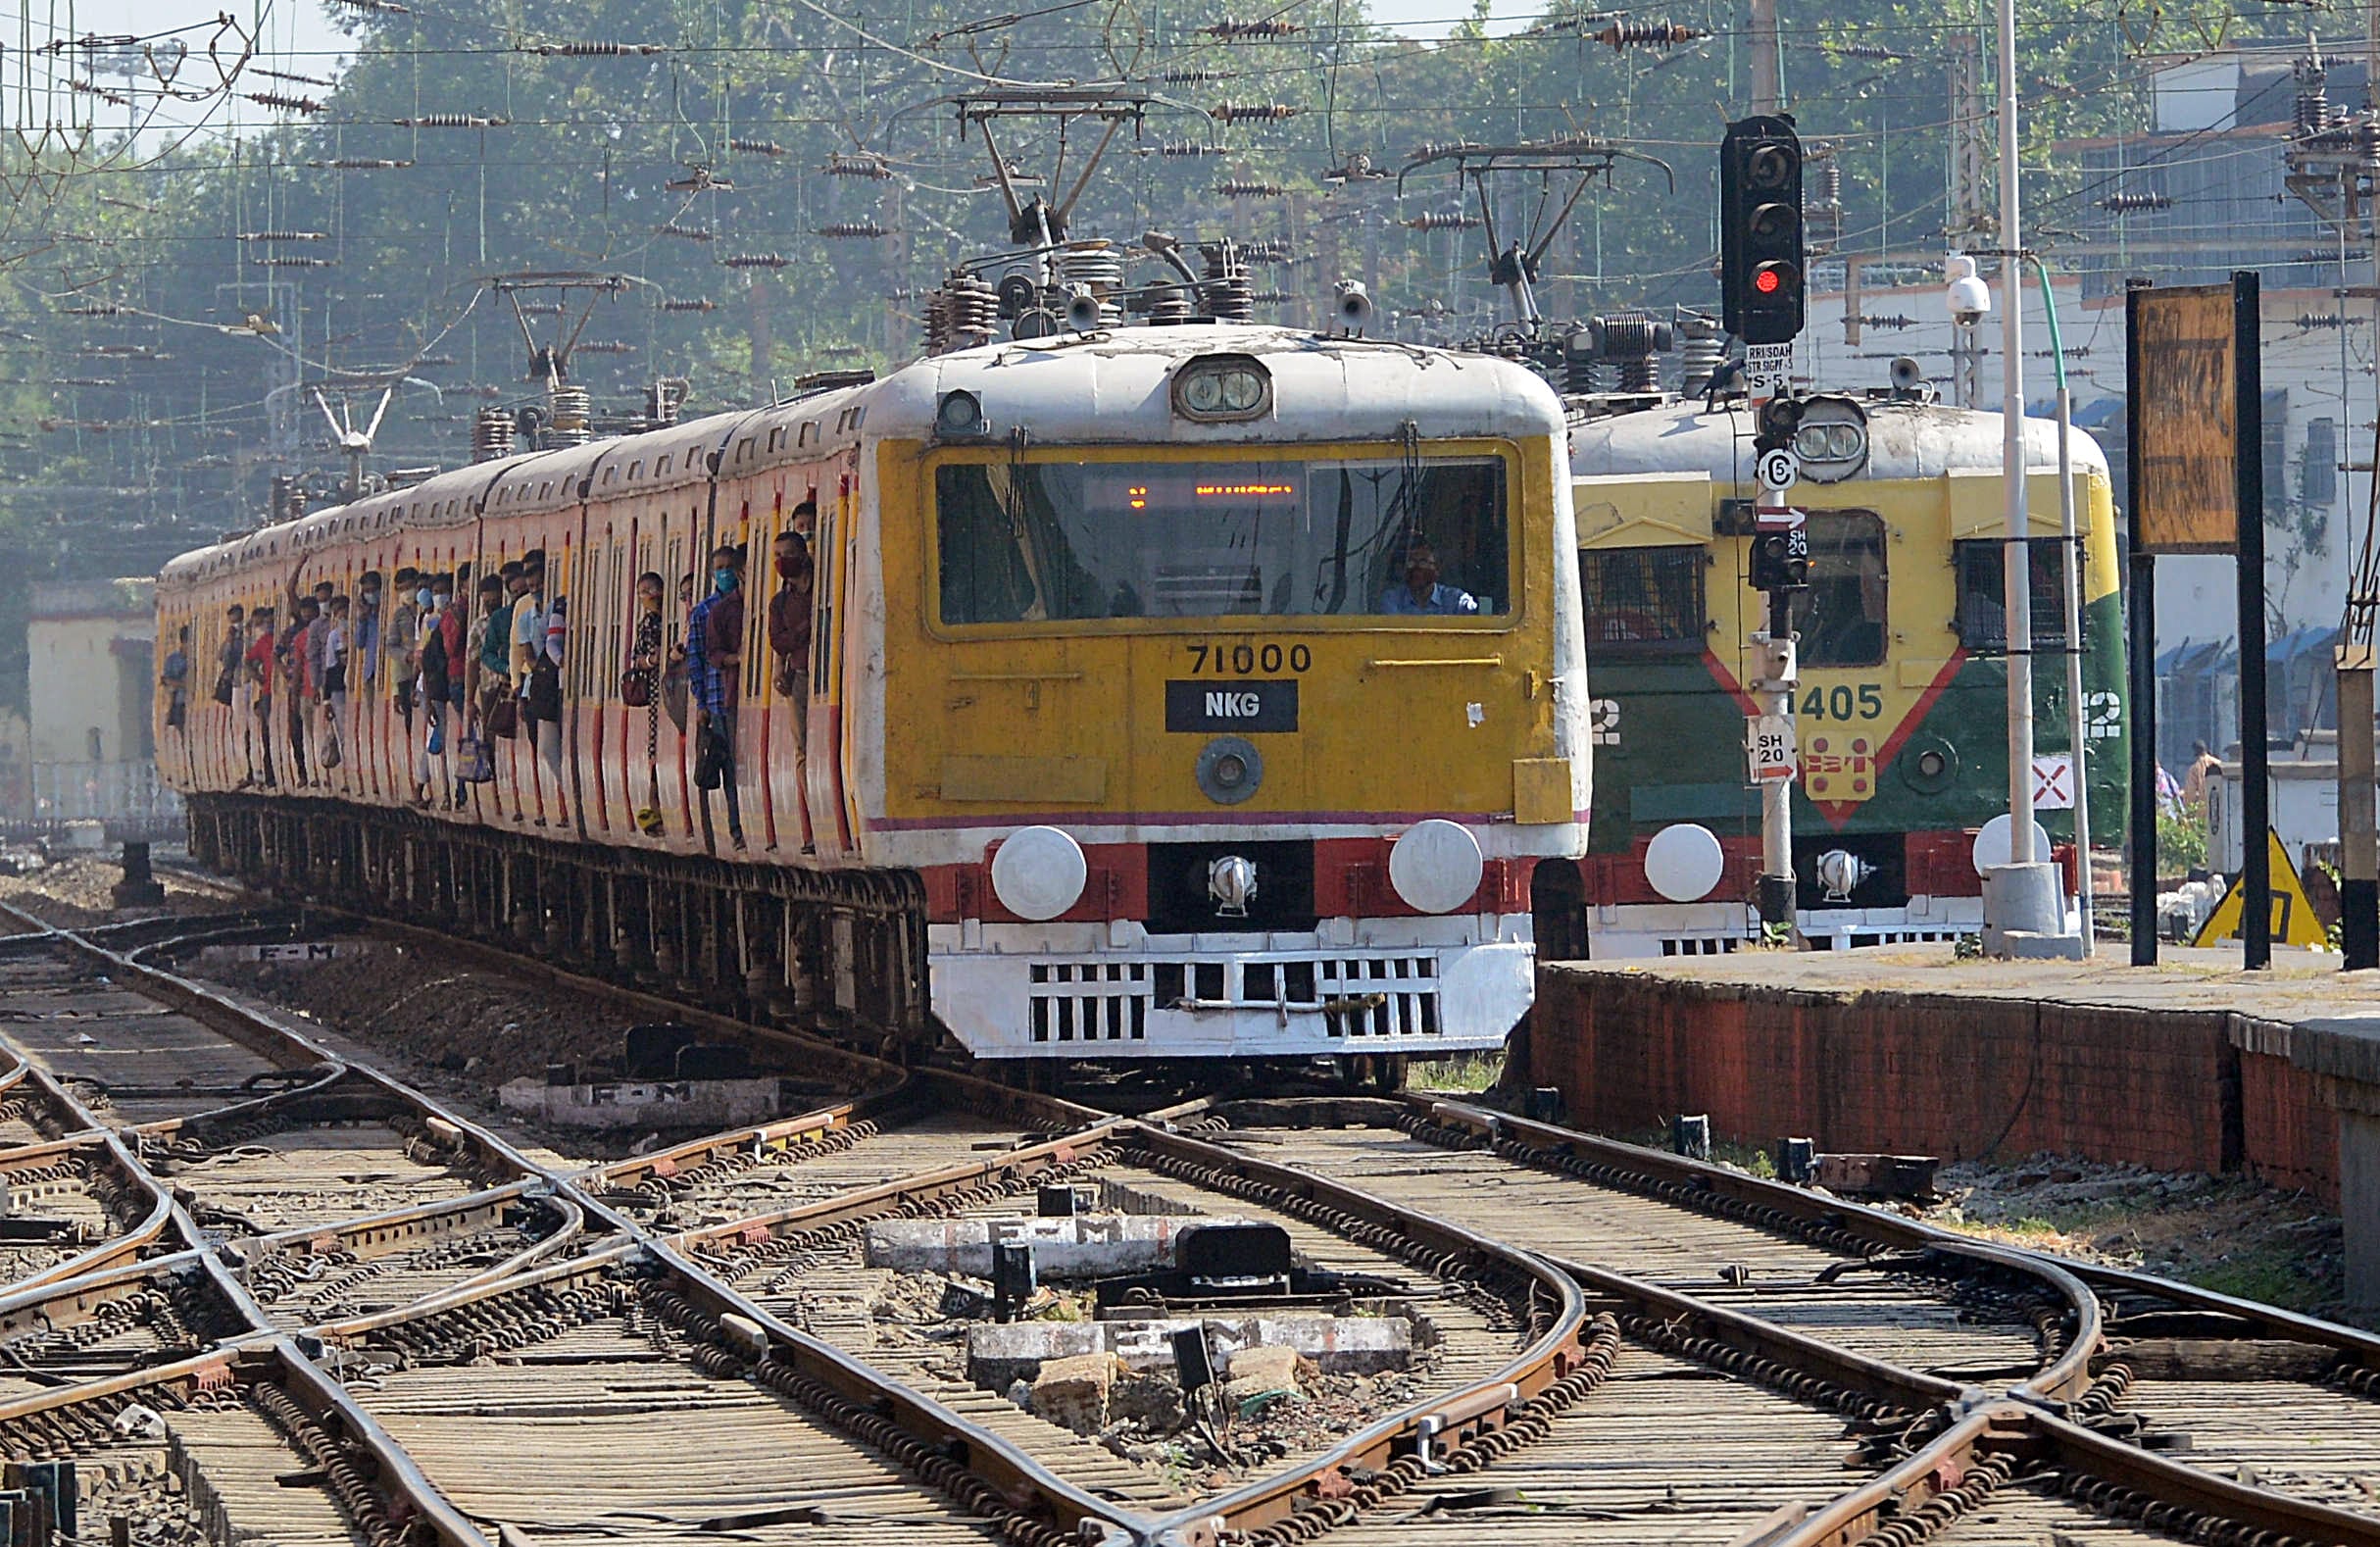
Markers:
258,662
232,690
715,661
537,679
331,689
433,682
640,688
400,637
175,678
789,614
289,659
364,630
488,648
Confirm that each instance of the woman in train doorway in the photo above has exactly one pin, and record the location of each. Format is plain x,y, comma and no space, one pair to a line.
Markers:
640,688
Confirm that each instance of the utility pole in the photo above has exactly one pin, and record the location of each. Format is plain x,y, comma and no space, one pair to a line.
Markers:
1968,219
1768,59
763,345
2020,897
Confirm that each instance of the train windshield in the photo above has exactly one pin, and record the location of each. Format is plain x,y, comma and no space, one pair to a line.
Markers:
1288,537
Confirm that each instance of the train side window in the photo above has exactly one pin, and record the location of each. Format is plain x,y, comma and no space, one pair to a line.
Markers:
1643,601
1843,618
1983,615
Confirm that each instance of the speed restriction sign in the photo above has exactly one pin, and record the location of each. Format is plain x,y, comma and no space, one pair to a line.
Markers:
1780,468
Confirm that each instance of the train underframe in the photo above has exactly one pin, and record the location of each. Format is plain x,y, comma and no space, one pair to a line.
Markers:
839,951
847,953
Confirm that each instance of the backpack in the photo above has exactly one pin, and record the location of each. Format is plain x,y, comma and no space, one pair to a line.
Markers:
434,670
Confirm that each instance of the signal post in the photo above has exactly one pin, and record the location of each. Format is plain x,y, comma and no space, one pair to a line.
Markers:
1761,280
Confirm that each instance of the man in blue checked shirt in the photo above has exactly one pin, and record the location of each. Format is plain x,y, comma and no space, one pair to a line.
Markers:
715,661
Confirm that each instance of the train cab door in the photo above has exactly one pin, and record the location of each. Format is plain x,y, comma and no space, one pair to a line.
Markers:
827,785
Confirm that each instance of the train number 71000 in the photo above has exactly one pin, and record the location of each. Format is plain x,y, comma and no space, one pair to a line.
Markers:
1243,659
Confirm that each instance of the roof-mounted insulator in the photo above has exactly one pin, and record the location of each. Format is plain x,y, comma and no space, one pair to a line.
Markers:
2135,203
853,231
1188,147
1254,112
871,167
1241,188
691,303
358,163
595,50
1449,222
756,260
1231,31
1272,297
1647,34
756,148
275,99
686,233
281,236
295,262
1193,77
452,121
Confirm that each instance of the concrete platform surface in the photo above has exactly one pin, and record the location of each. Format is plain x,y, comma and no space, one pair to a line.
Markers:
2300,985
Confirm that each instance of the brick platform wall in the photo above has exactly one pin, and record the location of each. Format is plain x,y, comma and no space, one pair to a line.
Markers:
1953,1075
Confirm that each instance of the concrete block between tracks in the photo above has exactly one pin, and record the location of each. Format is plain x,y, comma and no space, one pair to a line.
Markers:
1071,1246
998,1355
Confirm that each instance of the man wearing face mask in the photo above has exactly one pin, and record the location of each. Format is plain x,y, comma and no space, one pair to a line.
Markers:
397,631
715,661
789,620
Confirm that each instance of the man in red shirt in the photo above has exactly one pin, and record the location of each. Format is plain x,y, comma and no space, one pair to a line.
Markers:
259,661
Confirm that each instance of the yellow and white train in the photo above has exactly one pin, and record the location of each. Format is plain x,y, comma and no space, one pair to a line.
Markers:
1186,690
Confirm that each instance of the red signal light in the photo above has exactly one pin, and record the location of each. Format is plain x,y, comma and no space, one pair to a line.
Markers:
1767,281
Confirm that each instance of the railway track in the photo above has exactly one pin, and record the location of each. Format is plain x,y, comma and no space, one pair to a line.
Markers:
284,1294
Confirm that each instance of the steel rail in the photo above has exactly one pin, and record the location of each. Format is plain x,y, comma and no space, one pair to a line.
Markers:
1480,1407
1023,1481
1900,1232
51,1420
1956,1474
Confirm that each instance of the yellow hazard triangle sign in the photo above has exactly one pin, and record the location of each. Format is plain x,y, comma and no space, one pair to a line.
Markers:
2293,912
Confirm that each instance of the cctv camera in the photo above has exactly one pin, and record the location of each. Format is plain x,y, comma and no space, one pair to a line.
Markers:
1967,296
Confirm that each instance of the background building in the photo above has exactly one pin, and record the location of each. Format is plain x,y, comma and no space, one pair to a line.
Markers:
89,747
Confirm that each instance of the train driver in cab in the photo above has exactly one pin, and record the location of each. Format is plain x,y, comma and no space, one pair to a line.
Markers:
1421,594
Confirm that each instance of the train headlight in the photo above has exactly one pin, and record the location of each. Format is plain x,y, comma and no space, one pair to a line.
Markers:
1038,872
1684,862
1831,440
1435,867
960,416
1220,389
